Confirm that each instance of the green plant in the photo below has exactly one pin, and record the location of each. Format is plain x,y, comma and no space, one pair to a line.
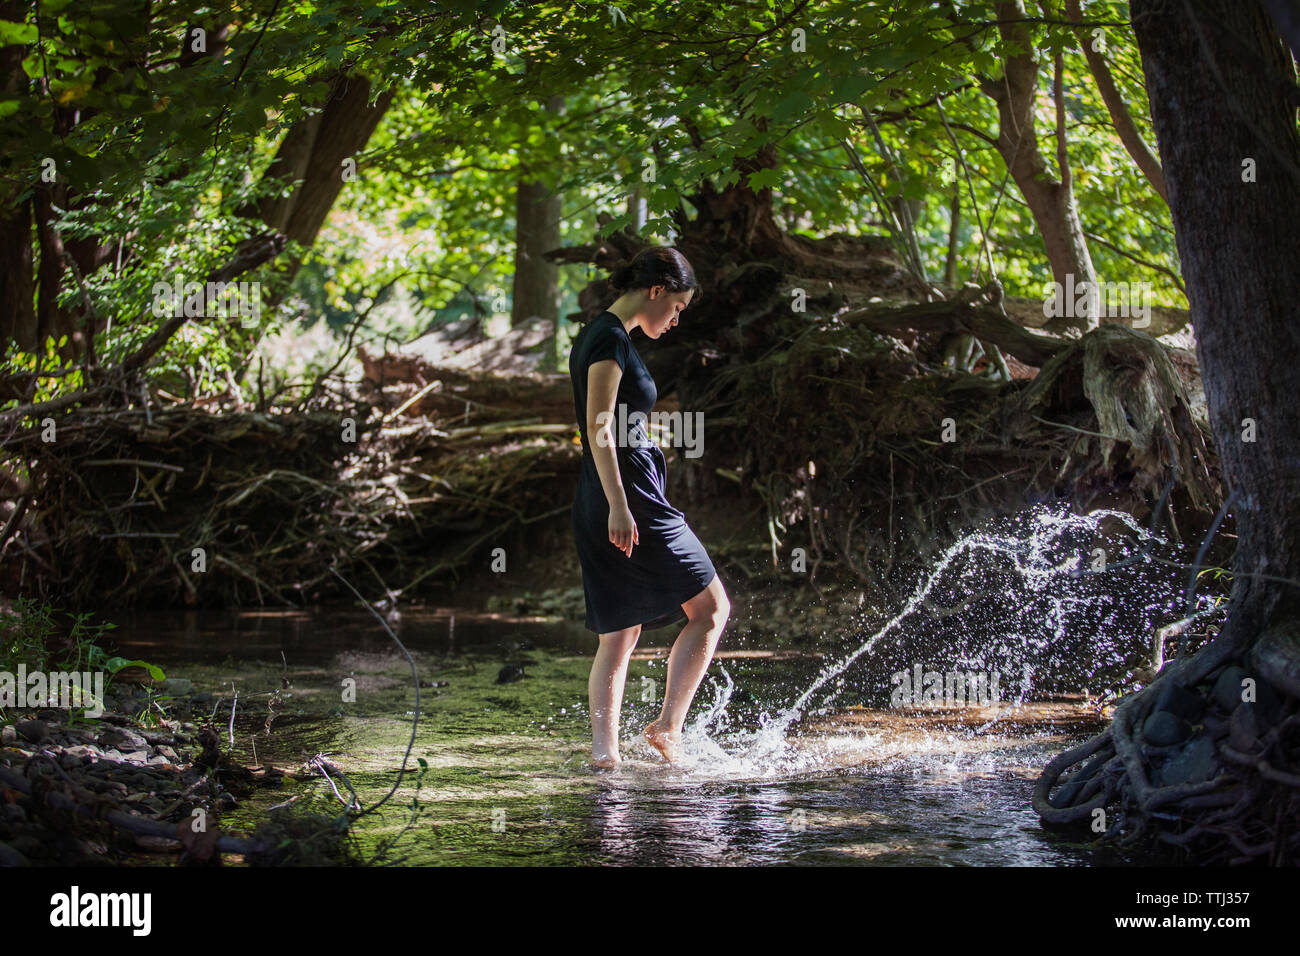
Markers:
32,636
41,637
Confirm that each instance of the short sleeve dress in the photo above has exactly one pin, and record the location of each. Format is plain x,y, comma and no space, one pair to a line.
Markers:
669,565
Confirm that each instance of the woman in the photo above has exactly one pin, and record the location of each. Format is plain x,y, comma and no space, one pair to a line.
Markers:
642,566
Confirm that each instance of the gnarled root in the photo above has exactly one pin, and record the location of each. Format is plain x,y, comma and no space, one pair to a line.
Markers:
1205,759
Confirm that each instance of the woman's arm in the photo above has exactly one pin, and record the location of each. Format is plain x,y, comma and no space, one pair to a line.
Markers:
602,390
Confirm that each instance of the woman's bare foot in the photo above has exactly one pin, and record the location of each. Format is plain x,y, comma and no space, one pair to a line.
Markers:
663,740
606,762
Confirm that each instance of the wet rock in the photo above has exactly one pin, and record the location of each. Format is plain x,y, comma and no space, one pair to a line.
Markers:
81,751
137,756
1268,700
27,845
167,753
8,736
1193,763
510,673
1180,702
1243,729
1164,728
9,856
1227,689
122,737
176,687
69,761
12,813
52,715
32,730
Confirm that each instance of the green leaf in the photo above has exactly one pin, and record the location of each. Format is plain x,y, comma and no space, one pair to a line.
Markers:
16,34
115,664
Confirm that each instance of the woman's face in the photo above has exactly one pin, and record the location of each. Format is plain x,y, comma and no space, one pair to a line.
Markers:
663,309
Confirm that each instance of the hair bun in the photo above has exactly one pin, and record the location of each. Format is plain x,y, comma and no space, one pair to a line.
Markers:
621,277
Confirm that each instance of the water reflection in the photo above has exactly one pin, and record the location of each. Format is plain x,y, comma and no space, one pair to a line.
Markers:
509,780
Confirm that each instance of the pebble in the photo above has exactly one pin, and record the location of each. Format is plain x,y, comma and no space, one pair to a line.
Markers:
1228,689
1163,728
33,730
1243,729
122,737
1192,764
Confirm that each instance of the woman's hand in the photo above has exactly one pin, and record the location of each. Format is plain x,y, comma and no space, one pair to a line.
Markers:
622,529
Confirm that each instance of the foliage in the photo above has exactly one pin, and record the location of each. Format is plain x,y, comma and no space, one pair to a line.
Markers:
168,150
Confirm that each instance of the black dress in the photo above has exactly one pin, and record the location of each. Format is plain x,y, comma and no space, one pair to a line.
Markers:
669,565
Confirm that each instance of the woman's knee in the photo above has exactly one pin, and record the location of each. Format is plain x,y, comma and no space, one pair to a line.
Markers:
711,604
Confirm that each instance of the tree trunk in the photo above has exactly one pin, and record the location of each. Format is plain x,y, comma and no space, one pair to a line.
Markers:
1212,71
536,289
17,316
1237,241
312,158
1050,201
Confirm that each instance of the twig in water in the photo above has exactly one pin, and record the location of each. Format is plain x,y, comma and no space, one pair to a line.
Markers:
233,704
414,680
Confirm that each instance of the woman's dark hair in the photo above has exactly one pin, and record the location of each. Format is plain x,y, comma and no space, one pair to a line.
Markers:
656,265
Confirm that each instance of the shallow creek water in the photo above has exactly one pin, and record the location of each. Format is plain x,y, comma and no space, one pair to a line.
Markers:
509,779
797,748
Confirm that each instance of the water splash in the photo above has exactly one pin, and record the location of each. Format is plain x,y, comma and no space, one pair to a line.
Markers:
1052,598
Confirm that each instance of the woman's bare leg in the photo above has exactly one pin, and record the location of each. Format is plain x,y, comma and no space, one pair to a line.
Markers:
692,651
605,693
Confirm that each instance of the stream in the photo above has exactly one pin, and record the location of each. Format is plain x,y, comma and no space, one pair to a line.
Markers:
771,772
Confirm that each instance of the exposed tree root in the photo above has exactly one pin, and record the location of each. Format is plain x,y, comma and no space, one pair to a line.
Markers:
1203,759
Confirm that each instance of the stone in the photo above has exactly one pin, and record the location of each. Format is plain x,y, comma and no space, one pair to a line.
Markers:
1193,763
1243,729
122,737
33,730
1180,702
1227,689
176,687
1163,728
510,673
